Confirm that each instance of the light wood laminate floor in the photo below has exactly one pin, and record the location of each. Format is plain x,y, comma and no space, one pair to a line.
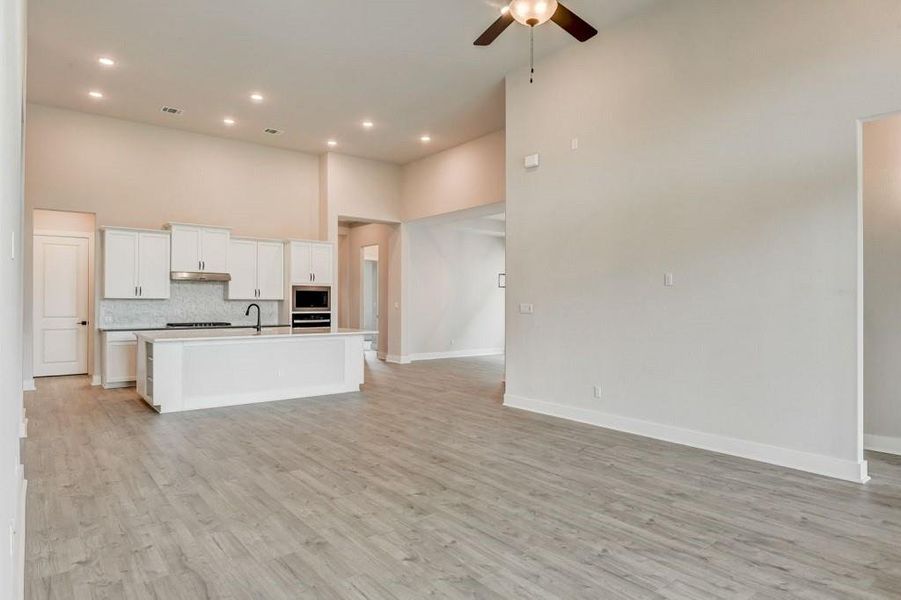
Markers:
423,485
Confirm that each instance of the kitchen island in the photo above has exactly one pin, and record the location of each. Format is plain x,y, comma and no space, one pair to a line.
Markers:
190,369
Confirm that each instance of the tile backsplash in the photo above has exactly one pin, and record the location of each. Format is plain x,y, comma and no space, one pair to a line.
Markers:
189,301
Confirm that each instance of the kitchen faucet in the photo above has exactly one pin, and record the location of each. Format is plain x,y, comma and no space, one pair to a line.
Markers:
247,313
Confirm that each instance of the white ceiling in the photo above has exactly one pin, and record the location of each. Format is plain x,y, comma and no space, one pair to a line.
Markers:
323,66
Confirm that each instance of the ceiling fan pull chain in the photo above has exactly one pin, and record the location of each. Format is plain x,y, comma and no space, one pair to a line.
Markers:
532,54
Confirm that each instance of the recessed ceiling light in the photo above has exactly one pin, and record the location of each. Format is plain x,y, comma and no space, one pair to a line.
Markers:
425,139
106,61
228,121
95,94
368,124
256,97
332,143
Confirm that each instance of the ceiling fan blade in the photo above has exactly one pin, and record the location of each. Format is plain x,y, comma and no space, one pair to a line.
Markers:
573,24
495,30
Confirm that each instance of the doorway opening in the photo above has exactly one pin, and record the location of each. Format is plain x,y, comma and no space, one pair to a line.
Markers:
62,292
369,290
457,274
366,284
881,282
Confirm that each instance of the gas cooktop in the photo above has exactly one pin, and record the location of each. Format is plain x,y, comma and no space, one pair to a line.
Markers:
197,324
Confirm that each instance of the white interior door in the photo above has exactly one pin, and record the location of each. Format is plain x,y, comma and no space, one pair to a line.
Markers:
60,305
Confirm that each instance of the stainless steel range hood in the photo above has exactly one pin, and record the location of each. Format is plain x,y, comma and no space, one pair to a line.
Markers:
199,276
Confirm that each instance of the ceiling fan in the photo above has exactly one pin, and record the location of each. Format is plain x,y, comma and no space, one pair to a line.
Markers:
532,13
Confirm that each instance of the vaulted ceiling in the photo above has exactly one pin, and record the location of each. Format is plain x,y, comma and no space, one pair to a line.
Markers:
323,66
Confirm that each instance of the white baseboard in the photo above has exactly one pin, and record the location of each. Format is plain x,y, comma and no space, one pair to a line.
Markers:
397,360
20,535
882,443
455,354
783,457
96,380
28,385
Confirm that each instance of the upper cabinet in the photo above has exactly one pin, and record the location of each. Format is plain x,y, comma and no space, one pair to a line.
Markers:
199,249
135,264
311,263
257,268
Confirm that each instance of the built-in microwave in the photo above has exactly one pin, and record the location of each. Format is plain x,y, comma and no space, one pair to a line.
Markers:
310,298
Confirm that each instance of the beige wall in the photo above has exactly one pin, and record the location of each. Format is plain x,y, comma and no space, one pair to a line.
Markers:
882,283
367,190
343,278
137,175
462,177
718,142
55,220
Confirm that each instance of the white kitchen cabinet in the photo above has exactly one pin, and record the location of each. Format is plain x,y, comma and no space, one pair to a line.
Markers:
119,358
271,270
135,264
311,263
214,250
257,270
321,258
198,249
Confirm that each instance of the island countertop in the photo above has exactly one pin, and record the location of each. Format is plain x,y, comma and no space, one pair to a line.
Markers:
195,335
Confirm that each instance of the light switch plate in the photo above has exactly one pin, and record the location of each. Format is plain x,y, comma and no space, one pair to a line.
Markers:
531,161
668,279
574,144
526,309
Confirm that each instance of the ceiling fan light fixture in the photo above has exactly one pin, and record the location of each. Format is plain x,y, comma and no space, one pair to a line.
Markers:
533,12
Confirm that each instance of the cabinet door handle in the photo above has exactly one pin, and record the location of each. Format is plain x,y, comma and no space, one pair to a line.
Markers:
314,276
140,291
136,291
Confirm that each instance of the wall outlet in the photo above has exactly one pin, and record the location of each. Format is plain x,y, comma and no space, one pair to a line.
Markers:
526,309
574,144
597,392
452,342
668,279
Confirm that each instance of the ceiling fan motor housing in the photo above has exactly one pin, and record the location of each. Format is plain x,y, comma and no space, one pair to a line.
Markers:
533,12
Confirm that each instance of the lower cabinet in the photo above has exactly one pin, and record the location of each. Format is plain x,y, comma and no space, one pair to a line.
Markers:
120,350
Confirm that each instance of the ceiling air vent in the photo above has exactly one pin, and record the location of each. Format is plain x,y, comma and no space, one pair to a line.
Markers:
171,110
272,131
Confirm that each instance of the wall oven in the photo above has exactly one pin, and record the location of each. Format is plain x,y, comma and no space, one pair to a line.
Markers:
308,320
310,298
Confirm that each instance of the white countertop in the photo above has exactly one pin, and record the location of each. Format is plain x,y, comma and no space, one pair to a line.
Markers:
197,335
